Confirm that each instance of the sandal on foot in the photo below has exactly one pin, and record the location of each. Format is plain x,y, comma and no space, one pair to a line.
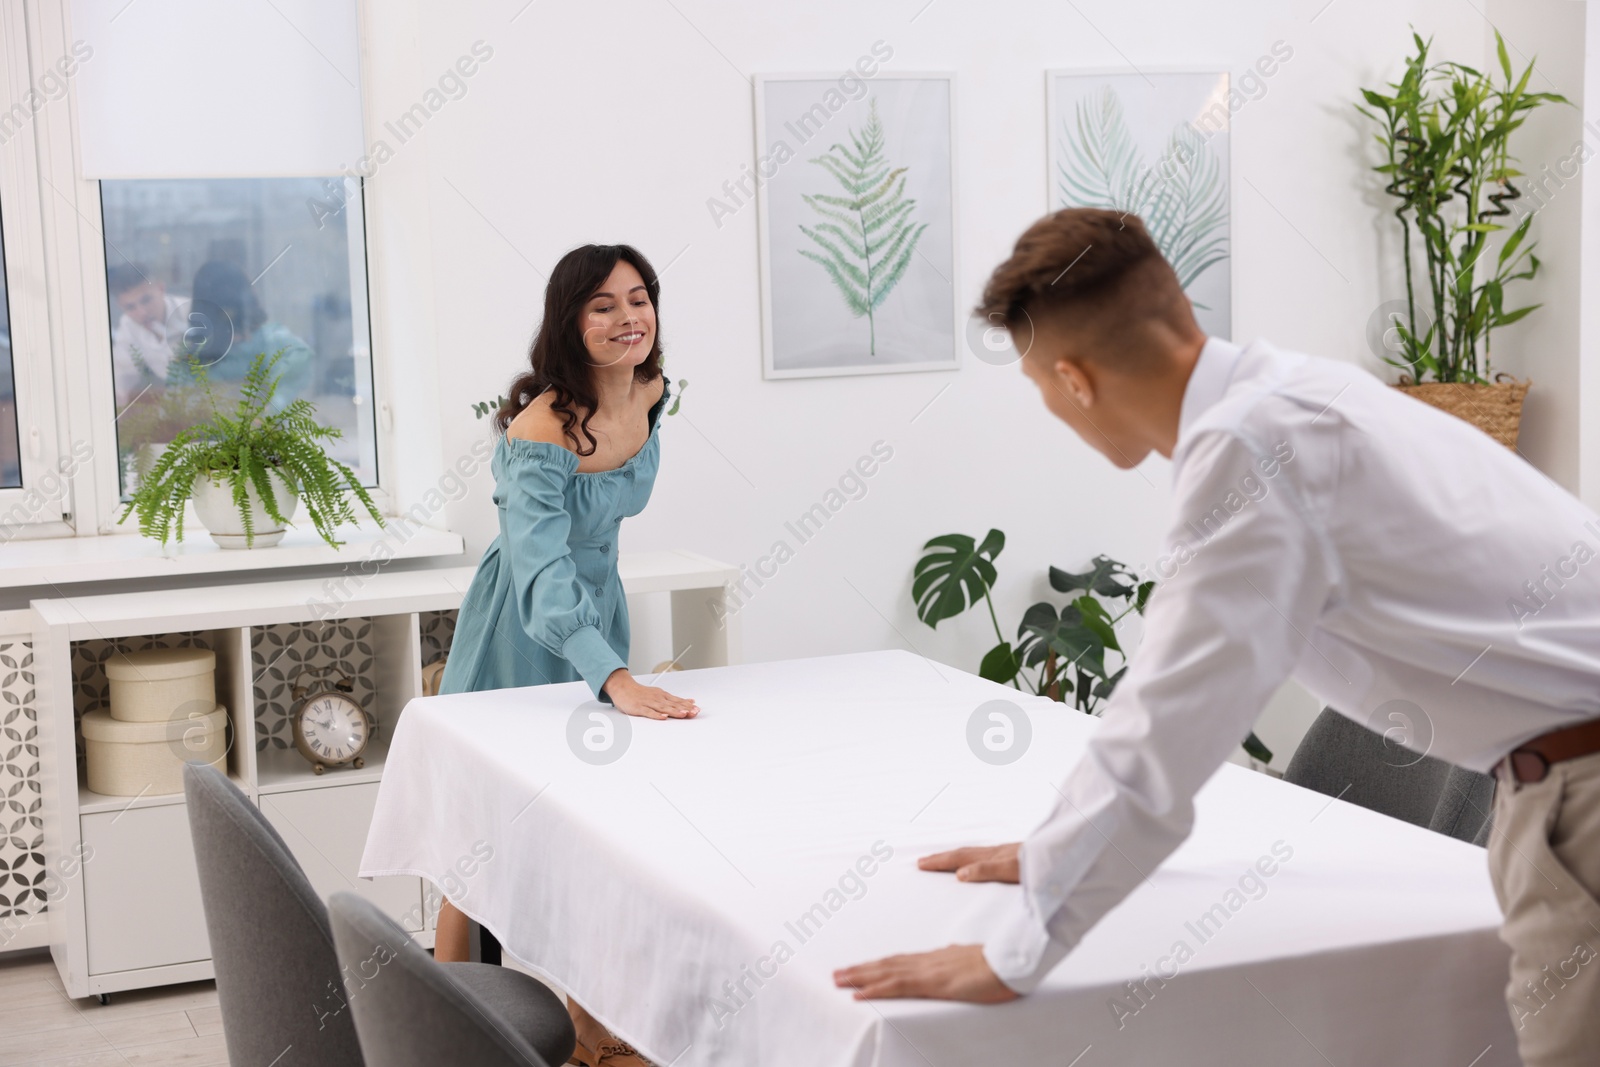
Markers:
611,1052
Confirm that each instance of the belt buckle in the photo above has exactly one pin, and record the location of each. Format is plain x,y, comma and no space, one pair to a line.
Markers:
1528,766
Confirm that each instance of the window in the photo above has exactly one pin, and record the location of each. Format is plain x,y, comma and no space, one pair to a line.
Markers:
212,272
10,443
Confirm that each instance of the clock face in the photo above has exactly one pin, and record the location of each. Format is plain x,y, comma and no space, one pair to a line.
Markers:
334,727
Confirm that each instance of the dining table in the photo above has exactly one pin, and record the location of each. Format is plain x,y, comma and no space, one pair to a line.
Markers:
694,883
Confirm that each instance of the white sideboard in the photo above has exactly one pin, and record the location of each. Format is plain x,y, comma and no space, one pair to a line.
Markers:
123,901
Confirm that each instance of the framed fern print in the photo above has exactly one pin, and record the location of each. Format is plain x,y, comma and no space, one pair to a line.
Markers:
855,187
1153,144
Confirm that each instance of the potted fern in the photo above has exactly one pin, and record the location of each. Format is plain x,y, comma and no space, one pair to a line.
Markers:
247,470
1445,131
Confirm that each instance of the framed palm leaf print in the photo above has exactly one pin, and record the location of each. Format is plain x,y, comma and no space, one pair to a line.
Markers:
855,187
1153,144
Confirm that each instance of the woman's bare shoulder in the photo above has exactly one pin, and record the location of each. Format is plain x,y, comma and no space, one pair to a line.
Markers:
538,422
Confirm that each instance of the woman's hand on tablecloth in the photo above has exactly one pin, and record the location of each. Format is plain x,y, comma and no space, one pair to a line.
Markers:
646,701
983,863
956,973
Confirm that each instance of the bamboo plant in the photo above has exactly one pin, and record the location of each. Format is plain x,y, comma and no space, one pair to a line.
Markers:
1445,131
242,448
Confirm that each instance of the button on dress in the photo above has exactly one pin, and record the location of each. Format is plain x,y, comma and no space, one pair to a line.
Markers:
546,604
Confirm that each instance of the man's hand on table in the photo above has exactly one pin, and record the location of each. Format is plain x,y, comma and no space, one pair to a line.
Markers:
958,972
980,863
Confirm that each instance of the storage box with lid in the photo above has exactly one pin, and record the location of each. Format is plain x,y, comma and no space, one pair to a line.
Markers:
154,684
129,759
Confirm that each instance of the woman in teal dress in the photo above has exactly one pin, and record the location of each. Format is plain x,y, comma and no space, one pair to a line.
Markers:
578,453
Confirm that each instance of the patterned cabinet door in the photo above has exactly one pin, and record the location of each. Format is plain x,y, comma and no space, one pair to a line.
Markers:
22,890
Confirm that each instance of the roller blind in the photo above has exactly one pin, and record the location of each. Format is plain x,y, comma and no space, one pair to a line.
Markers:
217,88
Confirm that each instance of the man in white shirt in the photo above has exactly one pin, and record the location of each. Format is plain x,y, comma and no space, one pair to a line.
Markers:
146,333
1330,528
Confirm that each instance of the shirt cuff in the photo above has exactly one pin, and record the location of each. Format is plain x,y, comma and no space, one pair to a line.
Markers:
1022,952
591,657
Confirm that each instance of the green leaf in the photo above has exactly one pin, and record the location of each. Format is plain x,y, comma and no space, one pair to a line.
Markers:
954,573
1515,316
1256,750
1515,239
1000,664
1066,635
1106,686
1378,100
1105,576
1143,597
1098,621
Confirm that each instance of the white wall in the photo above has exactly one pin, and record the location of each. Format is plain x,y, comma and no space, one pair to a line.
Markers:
1589,293
617,122
1544,346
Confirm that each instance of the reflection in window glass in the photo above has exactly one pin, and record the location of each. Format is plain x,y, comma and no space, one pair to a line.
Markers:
216,271
10,450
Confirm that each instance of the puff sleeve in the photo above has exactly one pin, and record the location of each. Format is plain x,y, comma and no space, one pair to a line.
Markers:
552,605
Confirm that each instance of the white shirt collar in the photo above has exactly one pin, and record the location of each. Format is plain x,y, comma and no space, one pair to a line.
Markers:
1208,381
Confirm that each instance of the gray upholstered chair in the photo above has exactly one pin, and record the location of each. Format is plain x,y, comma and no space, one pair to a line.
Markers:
410,1011
1340,757
277,972
1466,806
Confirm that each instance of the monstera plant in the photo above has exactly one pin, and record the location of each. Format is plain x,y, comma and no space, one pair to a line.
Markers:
1061,650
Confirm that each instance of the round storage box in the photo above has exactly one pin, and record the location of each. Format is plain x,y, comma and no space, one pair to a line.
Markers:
129,759
158,683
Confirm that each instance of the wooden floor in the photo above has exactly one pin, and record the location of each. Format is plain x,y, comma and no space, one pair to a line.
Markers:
40,1026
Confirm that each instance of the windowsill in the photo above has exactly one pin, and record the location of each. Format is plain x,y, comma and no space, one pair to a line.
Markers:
114,557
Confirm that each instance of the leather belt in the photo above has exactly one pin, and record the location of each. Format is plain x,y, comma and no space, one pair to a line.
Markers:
1531,761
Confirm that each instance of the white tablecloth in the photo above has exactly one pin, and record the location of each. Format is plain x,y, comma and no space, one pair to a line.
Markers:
658,889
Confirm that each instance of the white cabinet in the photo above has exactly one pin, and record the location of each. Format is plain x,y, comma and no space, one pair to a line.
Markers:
128,915
326,829
142,890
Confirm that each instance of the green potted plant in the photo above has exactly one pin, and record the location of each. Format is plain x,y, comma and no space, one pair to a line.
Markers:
247,470
1445,131
1060,650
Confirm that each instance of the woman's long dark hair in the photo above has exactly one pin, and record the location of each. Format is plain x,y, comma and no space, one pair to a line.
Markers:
559,360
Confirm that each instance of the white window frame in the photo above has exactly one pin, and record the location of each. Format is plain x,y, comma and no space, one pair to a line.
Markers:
43,505
59,295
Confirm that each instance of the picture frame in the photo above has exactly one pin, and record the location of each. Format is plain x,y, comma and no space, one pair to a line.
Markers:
818,319
1141,125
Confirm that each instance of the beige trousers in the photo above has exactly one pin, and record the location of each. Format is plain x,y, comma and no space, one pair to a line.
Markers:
1544,860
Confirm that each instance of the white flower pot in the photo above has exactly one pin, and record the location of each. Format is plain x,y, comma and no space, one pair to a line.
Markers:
213,505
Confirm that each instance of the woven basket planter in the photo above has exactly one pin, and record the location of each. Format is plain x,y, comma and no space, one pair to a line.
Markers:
1495,409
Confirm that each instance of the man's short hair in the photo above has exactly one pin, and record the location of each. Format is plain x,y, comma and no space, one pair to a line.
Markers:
1088,269
125,276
